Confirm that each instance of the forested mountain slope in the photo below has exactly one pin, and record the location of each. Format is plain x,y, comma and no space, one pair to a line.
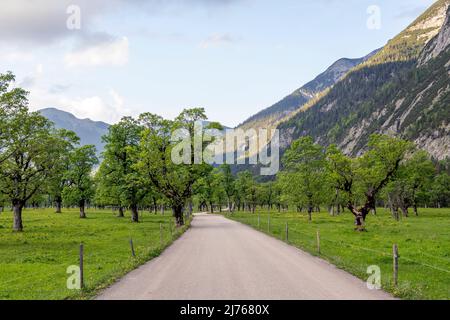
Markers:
403,90
270,117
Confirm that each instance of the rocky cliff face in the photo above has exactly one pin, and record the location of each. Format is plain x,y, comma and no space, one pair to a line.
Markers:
438,44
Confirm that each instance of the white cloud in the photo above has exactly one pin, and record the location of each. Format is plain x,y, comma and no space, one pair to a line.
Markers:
107,53
40,22
109,107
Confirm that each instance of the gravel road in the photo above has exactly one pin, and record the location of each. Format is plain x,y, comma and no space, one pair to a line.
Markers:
222,259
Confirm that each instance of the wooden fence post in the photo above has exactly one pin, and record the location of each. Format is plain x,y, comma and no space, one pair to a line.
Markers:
395,263
132,248
318,241
81,266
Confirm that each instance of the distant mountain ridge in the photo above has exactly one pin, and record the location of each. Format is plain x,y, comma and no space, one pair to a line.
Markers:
335,73
270,117
89,131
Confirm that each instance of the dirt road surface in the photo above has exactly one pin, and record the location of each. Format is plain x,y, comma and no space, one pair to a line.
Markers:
222,259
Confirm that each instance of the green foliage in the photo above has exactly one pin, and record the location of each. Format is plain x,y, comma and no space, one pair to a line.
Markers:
80,188
210,189
57,180
228,183
246,188
119,182
411,184
31,150
32,153
440,190
304,179
158,151
362,179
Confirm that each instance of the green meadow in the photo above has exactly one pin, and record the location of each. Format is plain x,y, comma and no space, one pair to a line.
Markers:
423,242
33,264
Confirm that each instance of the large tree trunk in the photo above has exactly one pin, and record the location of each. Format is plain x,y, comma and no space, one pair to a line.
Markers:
58,204
405,211
178,214
360,215
331,210
190,207
395,213
82,212
121,213
17,209
211,207
155,206
310,209
416,212
134,213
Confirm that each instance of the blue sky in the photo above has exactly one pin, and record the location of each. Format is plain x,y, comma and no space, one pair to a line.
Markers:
232,57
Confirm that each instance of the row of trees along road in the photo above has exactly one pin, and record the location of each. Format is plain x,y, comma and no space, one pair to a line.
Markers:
38,161
391,173
138,167
40,164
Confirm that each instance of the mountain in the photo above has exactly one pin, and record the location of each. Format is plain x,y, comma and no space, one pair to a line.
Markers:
90,132
269,117
402,90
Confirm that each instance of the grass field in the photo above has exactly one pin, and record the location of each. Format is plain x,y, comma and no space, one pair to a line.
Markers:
33,264
424,246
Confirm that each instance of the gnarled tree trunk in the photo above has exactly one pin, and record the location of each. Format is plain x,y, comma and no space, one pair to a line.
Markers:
310,209
17,210
360,214
405,211
134,213
178,214
121,213
82,204
58,204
